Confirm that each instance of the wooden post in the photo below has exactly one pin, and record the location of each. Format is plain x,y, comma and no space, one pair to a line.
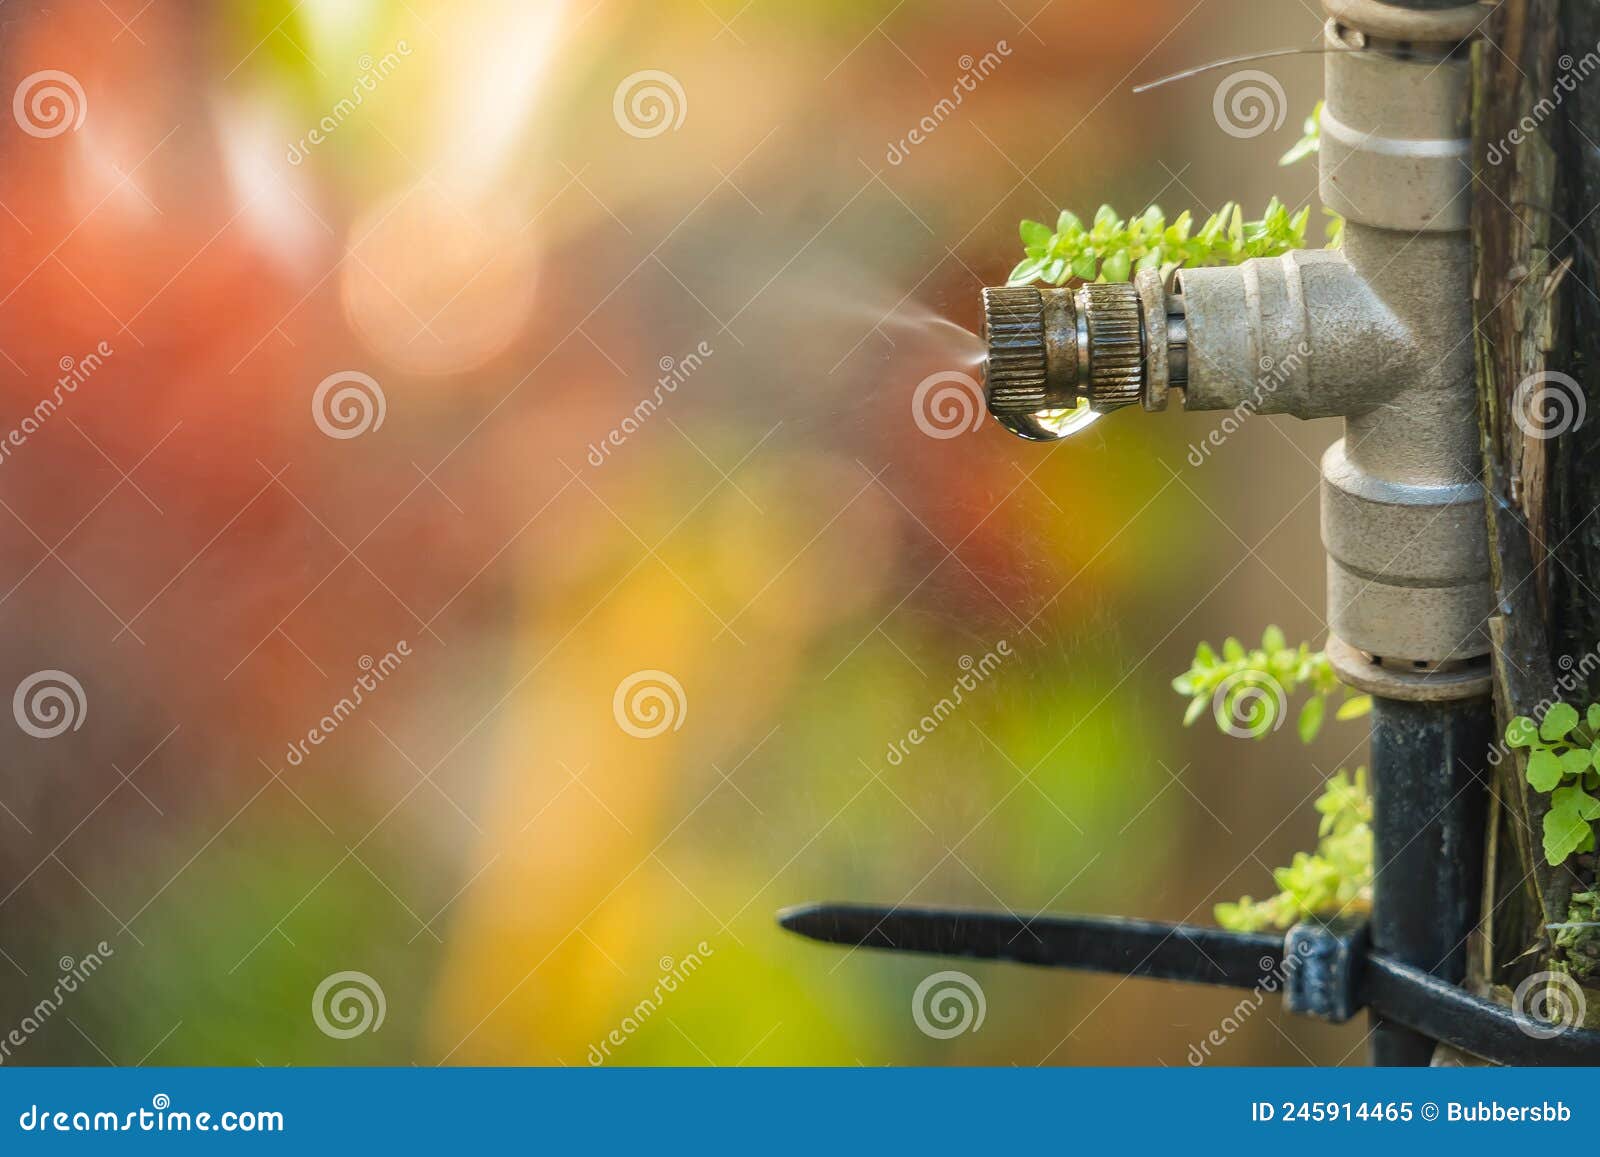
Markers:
1536,121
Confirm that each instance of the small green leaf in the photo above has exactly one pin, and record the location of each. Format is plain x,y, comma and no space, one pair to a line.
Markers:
1116,267
1299,152
1521,732
1272,639
1544,770
1592,717
1196,708
1232,649
1068,222
1575,799
1026,271
1035,233
1565,831
1311,718
1353,708
1560,719
1576,761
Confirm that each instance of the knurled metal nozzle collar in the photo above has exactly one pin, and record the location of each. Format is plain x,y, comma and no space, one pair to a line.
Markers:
1051,349
1116,344
1016,373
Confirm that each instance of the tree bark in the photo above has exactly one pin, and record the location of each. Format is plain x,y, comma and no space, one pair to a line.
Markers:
1536,313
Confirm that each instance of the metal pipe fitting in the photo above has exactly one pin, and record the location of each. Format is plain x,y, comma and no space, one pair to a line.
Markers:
1378,332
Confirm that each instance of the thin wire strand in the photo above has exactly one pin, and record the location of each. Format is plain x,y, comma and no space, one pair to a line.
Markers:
1228,62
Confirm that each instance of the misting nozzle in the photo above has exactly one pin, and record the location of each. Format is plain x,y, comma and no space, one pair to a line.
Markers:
1053,350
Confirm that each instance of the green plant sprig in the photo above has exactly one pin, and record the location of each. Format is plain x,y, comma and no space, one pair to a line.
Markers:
1336,878
1563,756
1239,674
1310,142
1112,248
1338,875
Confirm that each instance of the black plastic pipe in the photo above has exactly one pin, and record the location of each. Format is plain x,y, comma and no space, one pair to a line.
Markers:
1430,795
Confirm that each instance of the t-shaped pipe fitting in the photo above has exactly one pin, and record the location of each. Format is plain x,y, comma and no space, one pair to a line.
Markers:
1378,333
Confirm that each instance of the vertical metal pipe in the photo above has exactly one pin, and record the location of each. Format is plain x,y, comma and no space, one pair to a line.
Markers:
1430,794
